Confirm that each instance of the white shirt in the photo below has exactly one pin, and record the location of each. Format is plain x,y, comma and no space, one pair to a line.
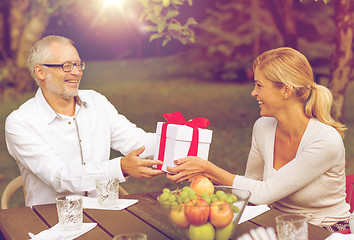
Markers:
59,155
313,183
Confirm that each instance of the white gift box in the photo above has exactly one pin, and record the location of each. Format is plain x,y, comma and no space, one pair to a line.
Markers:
178,141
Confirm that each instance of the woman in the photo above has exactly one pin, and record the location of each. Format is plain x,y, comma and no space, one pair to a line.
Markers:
297,157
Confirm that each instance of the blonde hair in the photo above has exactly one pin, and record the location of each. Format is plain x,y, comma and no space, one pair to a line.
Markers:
40,53
286,66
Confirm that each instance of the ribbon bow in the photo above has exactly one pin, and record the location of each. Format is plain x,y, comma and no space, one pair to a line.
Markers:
177,118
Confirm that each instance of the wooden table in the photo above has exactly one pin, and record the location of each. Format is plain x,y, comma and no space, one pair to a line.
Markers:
145,216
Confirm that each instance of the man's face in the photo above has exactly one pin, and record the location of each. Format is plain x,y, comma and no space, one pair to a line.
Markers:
56,81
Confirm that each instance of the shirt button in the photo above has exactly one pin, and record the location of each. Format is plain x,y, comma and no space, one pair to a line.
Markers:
69,123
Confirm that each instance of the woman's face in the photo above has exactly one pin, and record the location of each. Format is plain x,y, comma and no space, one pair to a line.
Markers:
269,97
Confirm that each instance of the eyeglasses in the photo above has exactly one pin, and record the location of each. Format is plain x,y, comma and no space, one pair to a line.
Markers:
68,66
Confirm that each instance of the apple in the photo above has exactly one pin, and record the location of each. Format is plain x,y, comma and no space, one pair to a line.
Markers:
202,184
202,232
177,216
220,214
224,233
197,211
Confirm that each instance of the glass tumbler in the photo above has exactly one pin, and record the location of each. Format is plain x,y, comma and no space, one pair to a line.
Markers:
351,223
292,227
70,212
131,236
107,192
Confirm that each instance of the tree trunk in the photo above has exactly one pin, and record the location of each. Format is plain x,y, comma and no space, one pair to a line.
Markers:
4,30
342,58
285,19
32,32
255,19
23,35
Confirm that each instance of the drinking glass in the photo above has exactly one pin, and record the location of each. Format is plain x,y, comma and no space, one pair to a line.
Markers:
107,192
351,223
69,210
292,227
131,236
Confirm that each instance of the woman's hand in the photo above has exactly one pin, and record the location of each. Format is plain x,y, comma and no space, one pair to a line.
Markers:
187,168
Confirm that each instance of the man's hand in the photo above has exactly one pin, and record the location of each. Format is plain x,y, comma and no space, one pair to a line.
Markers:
136,167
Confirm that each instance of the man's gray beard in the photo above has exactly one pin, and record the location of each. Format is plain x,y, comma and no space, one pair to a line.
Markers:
53,86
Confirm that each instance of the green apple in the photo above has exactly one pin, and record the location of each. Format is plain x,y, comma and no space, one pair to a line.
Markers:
202,232
224,233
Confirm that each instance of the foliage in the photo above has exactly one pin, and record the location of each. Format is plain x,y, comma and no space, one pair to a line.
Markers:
325,1
161,16
233,34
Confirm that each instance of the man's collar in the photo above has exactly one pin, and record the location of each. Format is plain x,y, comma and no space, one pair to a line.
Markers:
48,113
80,102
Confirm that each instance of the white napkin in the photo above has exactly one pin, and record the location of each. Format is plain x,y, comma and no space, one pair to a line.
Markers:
252,212
57,233
259,233
340,236
92,203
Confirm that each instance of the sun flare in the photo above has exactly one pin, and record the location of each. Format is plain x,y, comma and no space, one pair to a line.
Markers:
117,3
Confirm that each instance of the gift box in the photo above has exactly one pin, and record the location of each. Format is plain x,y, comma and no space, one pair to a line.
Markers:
177,139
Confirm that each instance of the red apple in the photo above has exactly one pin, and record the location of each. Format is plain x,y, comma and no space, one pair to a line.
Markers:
202,184
177,216
220,214
197,211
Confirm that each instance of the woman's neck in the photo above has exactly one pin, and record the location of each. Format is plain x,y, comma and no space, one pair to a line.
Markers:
293,123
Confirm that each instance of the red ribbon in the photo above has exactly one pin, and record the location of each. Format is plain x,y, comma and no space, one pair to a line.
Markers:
177,118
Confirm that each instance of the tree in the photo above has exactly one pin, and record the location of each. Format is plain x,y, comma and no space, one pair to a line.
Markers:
232,35
285,19
161,17
342,61
17,37
23,22
283,12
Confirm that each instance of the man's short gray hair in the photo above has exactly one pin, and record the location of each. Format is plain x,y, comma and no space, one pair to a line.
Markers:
40,52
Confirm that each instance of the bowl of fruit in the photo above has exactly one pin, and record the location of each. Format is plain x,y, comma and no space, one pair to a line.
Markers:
203,211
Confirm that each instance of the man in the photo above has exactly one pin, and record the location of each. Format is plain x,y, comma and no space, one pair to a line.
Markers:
61,138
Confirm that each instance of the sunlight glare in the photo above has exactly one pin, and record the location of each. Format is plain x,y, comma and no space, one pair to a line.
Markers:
127,11
107,4
117,3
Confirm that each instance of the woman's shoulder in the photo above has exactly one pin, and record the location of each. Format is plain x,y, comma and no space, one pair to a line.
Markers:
323,133
264,127
265,122
319,128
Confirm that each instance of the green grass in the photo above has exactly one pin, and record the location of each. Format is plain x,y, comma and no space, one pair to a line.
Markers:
144,90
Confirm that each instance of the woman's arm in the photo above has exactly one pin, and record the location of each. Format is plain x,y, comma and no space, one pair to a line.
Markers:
189,167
